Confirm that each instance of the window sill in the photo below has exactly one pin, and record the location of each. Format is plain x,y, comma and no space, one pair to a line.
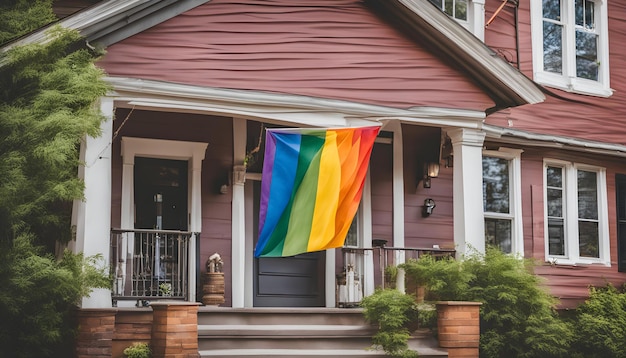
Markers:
573,85
570,264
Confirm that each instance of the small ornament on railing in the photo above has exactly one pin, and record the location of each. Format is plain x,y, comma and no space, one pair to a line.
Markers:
214,263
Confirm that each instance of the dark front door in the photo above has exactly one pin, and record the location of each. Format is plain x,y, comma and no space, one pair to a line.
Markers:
164,180
296,281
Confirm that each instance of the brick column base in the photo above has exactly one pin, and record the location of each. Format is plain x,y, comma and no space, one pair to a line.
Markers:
458,325
174,329
95,333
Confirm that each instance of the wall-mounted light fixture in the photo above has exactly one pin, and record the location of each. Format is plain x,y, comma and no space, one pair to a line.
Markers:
431,170
429,206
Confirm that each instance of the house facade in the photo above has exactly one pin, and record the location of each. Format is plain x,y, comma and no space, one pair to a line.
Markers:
531,166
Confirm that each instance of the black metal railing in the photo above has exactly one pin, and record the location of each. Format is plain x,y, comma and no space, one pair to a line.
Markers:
149,264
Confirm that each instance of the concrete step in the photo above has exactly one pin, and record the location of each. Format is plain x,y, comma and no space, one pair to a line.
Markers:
295,332
208,315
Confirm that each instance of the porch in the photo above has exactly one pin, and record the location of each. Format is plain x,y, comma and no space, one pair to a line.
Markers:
153,265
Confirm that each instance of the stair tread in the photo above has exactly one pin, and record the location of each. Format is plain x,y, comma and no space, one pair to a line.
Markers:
260,327
278,330
423,351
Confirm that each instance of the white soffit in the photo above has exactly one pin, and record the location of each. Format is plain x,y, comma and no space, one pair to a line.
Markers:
313,111
513,136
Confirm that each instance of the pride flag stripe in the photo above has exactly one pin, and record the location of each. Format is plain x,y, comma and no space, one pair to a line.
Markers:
311,188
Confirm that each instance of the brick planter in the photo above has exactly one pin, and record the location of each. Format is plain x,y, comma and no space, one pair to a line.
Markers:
96,328
174,329
458,325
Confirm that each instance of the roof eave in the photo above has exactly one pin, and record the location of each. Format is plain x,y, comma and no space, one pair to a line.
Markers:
112,21
505,84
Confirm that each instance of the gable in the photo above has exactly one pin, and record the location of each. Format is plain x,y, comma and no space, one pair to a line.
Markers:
334,49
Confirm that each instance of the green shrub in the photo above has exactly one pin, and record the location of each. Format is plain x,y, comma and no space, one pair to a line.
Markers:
518,316
396,315
138,350
38,298
601,324
444,278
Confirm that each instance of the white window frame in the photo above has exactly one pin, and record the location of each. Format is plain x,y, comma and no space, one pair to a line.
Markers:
475,22
570,214
515,196
567,80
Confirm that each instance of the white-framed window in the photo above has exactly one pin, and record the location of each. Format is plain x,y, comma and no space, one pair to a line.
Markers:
469,13
570,45
458,9
575,206
502,208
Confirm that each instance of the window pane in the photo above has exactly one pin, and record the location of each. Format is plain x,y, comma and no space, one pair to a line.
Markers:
554,177
585,14
449,7
496,185
588,239
437,3
586,55
579,9
460,9
498,234
590,22
555,203
552,47
556,237
587,195
352,239
552,9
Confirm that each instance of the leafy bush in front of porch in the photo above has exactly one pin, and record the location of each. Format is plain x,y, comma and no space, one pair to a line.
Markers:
600,324
396,315
518,315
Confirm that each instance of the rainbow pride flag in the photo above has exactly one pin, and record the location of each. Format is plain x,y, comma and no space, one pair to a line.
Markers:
311,188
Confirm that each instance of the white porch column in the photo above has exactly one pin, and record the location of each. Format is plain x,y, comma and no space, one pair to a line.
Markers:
469,225
365,229
238,265
330,278
93,218
195,221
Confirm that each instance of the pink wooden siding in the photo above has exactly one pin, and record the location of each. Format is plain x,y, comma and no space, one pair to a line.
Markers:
381,176
437,229
330,49
579,116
